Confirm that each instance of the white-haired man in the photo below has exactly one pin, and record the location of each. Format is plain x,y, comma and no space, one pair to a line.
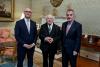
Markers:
49,35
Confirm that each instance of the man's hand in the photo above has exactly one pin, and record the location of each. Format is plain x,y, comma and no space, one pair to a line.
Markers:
29,46
47,39
26,46
32,45
75,53
50,40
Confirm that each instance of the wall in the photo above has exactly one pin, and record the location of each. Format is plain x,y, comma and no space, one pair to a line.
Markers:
19,7
87,12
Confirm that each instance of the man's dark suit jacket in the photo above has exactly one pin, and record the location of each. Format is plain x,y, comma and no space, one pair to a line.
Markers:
55,34
22,35
72,40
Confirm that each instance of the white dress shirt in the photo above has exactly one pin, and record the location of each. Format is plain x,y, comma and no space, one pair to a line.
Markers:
68,27
27,21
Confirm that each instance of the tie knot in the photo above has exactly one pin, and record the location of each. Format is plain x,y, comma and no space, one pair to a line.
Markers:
28,20
69,23
49,24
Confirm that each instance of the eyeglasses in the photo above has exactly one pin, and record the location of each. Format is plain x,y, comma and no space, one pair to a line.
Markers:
28,11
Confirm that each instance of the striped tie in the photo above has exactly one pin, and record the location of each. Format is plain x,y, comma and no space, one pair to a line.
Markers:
49,29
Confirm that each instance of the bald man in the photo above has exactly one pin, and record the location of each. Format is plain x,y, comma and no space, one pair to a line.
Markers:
49,35
26,35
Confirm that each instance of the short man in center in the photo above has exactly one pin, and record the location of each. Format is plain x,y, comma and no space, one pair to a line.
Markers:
50,36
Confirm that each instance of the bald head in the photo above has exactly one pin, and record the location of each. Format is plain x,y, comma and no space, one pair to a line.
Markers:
27,9
27,13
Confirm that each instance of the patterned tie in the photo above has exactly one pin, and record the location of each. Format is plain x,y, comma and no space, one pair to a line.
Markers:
49,28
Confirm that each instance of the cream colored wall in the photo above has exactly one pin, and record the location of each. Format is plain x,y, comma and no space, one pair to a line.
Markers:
41,7
87,12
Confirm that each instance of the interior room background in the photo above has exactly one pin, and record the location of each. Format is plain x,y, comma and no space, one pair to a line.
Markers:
87,12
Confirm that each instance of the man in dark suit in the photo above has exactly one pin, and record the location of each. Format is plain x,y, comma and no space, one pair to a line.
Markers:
71,39
26,35
49,35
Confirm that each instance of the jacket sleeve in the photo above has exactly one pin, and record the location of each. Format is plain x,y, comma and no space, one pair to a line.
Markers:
58,35
36,34
78,39
17,33
41,33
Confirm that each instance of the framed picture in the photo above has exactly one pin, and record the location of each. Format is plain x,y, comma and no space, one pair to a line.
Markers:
6,10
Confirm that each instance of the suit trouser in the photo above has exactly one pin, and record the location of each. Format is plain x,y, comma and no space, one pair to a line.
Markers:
48,58
21,53
68,57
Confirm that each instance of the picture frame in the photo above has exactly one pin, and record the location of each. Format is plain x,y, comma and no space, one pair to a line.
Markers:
6,10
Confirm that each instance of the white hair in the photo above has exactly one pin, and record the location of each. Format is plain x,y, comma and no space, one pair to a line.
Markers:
50,16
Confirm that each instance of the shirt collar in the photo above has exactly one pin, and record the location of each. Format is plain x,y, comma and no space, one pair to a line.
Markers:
50,24
26,19
70,23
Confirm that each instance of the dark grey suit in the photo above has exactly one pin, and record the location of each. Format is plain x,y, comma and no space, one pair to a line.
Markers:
70,42
24,37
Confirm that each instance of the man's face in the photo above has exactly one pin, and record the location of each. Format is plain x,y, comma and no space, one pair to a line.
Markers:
28,13
70,16
49,20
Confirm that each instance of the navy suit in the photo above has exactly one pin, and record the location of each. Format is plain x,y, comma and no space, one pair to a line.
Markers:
49,50
70,42
24,37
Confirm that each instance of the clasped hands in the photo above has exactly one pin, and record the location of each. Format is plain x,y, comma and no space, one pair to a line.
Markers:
49,39
29,46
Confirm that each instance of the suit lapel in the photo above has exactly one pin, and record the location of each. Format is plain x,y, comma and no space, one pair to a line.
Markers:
72,27
25,26
65,27
46,28
31,26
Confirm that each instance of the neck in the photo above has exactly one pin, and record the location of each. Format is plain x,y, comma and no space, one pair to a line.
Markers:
27,17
